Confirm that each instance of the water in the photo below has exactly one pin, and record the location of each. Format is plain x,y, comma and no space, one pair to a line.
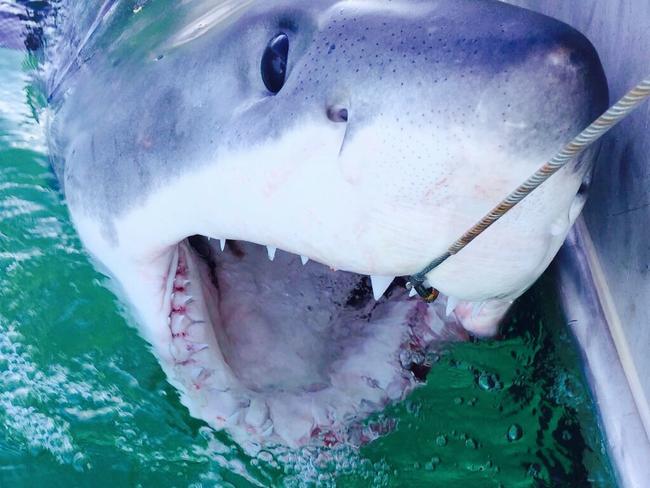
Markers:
84,403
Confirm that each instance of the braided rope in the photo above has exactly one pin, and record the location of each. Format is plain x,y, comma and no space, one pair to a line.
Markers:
591,134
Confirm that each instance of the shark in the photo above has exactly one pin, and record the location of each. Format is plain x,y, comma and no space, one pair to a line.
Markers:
258,179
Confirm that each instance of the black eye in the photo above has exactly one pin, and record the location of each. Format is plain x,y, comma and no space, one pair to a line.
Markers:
274,63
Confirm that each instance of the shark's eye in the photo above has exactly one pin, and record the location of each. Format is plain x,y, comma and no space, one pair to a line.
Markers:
274,63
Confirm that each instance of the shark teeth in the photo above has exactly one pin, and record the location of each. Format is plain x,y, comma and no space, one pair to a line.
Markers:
271,250
452,303
180,301
258,413
200,374
320,411
267,428
380,284
477,308
227,405
183,351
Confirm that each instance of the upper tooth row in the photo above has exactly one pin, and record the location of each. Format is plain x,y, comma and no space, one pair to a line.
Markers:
379,283
269,249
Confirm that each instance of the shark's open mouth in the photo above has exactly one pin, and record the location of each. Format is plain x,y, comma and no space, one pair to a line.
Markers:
284,350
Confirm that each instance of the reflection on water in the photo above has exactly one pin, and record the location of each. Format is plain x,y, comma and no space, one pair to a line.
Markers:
82,402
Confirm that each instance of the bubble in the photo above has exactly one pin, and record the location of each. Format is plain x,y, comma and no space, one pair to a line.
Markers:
79,462
441,440
265,456
489,382
514,432
432,464
534,470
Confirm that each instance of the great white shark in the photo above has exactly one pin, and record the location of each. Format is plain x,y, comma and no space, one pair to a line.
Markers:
256,179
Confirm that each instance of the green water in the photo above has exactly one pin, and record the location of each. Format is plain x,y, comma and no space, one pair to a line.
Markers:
84,403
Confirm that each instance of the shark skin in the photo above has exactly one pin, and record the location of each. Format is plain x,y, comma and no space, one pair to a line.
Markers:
260,180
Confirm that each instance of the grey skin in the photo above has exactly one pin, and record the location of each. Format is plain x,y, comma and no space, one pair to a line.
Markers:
129,125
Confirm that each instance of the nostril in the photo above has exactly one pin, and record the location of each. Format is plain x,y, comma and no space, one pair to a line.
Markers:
337,114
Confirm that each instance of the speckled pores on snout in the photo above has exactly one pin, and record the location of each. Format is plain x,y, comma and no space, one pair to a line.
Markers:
363,135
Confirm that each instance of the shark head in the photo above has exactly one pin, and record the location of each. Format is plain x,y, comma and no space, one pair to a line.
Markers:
260,182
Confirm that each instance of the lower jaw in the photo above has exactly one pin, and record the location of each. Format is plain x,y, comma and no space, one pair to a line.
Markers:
270,382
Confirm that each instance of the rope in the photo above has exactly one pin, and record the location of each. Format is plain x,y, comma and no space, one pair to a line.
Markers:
590,135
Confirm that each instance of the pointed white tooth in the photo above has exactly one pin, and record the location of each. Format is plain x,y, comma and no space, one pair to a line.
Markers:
224,403
193,348
304,260
179,300
477,308
271,250
267,428
222,243
178,324
181,283
257,413
413,292
452,303
233,419
200,374
380,284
